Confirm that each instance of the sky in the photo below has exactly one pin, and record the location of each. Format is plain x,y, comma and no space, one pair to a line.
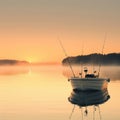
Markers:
30,29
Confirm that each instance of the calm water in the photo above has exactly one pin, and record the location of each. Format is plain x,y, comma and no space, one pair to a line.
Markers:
41,93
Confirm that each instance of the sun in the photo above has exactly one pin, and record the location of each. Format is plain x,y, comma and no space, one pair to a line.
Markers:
31,59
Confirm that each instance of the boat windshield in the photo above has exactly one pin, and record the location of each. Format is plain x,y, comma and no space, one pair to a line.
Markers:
90,76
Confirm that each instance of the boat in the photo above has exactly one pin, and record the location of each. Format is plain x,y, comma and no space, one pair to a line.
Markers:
89,82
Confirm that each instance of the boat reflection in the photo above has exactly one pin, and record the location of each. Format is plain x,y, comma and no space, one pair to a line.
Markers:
88,98
83,99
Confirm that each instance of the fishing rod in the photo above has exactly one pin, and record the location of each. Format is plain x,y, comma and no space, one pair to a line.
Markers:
102,53
66,56
82,52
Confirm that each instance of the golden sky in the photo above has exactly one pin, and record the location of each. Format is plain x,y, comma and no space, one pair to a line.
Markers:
29,29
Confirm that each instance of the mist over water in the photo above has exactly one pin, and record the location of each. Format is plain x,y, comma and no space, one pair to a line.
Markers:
14,70
112,72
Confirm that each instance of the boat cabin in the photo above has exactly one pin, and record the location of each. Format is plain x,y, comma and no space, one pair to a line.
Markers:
90,76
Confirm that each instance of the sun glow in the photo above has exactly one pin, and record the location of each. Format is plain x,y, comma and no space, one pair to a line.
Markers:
31,59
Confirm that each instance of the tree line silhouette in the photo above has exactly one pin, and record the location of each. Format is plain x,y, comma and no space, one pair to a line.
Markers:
95,58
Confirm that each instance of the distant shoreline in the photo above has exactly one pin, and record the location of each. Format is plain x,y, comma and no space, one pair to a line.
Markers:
12,62
95,58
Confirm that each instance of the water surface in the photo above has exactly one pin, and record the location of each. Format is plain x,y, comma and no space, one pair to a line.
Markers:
41,92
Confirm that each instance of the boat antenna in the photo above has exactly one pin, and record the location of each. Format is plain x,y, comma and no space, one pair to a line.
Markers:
105,37
66,56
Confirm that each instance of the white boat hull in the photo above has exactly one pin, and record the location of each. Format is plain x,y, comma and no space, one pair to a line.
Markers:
89,83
